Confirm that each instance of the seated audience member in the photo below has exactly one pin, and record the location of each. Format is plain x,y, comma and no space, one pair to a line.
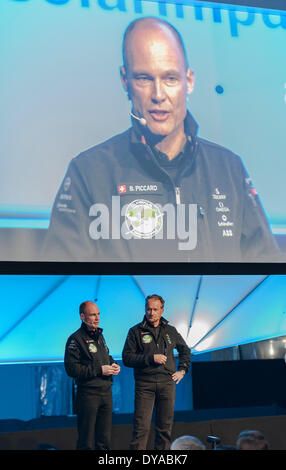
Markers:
187,443
251,440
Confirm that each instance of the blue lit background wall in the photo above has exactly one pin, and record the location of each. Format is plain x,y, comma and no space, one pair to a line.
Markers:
38,313
61,93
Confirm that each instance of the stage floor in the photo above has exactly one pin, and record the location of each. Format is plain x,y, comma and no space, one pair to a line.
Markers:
60,431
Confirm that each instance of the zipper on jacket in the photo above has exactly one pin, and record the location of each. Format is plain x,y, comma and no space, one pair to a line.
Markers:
177,189
178,195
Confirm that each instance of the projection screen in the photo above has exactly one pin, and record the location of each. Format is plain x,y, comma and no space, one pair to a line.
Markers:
69,161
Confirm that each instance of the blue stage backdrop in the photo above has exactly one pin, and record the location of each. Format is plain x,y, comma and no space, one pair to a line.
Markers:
38,313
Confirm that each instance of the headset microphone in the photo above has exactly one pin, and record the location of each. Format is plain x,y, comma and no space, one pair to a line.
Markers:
90,325
142,121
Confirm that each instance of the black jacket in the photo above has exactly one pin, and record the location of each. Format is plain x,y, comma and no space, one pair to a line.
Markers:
85,353
141,345
112,191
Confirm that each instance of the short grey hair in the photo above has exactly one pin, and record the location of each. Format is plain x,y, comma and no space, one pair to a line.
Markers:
187,443
156,297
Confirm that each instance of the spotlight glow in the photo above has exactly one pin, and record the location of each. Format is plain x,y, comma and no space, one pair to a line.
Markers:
197,332
183,330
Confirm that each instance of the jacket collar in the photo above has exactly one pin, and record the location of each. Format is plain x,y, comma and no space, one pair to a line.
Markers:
144,324
91,333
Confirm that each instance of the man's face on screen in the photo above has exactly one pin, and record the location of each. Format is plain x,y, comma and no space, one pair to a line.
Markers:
157,79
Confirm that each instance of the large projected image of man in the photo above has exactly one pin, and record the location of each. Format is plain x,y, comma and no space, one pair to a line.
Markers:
158,192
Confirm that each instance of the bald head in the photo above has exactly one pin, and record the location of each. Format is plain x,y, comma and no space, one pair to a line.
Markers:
146,26
86,305
89,313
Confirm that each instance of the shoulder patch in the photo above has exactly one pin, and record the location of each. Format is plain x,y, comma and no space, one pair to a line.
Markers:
72,344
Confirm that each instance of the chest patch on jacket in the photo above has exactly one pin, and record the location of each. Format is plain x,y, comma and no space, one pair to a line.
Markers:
146,339
92,348
140,188
143,218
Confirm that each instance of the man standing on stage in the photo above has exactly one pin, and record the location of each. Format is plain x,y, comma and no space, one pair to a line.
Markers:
87,360
149,350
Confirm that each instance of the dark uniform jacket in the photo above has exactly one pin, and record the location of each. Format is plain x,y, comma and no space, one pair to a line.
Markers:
85,353
141,344
120,202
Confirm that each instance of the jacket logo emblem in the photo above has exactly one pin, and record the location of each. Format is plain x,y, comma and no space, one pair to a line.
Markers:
168,339
147,339
143,218
224,213
122,188
92,348
67,183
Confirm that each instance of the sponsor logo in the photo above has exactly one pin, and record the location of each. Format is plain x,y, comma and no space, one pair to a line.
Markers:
224,212
249,183
67,183
143,218
168,339
252,193
92,348
146,339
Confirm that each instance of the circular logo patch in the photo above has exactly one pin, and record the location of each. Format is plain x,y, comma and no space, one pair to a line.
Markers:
146,339
92,348
143,218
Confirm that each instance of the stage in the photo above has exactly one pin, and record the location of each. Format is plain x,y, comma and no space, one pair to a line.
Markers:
218,398
60,431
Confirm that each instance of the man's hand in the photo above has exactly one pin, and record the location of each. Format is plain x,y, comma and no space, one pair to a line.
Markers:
114,369
160,358
177,376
